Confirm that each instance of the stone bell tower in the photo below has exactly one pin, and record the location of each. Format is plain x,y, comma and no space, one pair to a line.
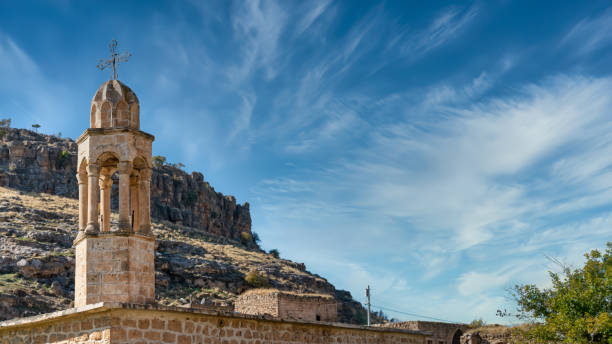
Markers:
114,259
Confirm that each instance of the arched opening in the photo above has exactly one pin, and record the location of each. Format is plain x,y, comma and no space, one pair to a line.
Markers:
138,164
83,193
108,163
457,336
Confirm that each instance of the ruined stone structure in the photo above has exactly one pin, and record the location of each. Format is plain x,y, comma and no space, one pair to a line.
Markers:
440,333
115,267
114,264
285,305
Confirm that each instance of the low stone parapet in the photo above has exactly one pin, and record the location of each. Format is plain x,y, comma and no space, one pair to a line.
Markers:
129,323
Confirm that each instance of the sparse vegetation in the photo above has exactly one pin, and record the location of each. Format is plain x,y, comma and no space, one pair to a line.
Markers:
159,160
476,323
256,279
62,158
246,238
274,253
256,238
4,124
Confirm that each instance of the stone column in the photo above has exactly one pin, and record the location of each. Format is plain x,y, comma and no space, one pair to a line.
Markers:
93,173
144,201
82,179
125,167
105,186
135,209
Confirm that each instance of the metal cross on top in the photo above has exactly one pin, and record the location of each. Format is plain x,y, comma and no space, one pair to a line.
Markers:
114,59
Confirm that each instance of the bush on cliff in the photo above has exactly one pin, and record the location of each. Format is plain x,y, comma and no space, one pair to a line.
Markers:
256,279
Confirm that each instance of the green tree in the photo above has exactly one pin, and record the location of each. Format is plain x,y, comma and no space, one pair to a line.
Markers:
274,253
256,238
4,124
476,323
159,161
577,308
36,126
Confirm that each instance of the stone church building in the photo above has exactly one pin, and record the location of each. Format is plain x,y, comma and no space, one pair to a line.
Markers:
115,267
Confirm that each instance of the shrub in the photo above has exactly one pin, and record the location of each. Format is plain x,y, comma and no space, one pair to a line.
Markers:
476,323
274,253
256,279
246,238
4,123
256,238
61,158
159,161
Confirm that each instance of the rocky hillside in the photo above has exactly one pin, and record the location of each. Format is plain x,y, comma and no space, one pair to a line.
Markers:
37,261
45,163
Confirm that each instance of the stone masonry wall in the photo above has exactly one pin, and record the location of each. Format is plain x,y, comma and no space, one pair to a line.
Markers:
257,304
93,329
115,268
126,325
312,308
287,306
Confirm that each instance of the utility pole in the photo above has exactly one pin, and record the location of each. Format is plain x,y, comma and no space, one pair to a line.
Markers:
368,297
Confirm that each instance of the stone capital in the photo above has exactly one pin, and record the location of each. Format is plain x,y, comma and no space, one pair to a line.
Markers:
124,167
93,169
145,175
82,177
106,182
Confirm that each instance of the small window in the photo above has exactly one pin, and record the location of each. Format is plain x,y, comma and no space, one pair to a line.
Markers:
318,317
441,342
429,341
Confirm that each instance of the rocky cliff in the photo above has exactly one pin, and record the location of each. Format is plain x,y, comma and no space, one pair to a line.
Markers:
37,261
45,163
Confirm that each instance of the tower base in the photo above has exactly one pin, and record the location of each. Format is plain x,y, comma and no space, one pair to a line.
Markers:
114,267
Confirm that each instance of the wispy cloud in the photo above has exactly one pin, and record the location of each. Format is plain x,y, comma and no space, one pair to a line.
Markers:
590,34
474,177
414,44
259,25
312,14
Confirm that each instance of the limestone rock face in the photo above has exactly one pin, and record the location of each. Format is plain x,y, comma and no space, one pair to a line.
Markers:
37,262
191,201
44,163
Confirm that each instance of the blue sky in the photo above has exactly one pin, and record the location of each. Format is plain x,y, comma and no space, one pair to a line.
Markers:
438,152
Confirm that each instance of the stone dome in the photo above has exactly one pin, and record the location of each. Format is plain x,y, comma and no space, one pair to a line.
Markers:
115,106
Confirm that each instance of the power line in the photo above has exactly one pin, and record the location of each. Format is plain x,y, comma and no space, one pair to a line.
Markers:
414,314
